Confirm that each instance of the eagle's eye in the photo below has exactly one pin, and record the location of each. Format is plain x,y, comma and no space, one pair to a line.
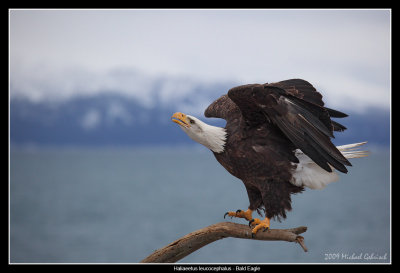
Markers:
191,121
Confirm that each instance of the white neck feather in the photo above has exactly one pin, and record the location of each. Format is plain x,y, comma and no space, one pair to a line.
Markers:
212,137
215,138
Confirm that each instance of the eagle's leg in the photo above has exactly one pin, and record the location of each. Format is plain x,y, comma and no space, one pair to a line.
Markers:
241,214
259,224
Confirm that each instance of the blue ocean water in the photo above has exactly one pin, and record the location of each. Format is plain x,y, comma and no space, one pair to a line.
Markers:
118,205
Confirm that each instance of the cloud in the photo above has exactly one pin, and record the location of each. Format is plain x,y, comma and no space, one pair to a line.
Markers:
63,53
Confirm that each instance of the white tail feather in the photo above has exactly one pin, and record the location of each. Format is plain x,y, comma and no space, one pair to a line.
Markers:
309,174
351,150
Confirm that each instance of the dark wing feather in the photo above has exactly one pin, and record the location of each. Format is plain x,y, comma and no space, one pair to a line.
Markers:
337,126
335,113
223,108
305,93
301,89
304,122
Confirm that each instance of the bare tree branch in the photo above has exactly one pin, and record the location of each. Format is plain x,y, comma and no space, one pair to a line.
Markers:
199,238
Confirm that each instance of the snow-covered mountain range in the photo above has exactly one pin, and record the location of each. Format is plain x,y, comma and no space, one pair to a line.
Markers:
119,118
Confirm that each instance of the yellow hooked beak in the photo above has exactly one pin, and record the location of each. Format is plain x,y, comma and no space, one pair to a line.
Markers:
181,119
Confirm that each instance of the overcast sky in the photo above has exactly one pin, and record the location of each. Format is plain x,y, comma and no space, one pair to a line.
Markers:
344,53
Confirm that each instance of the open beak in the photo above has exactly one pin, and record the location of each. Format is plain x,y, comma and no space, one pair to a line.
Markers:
181,119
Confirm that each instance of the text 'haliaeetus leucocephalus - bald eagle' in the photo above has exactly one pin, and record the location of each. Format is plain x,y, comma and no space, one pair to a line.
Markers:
277,140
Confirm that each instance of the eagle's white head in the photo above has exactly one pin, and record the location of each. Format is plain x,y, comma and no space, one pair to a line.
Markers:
210,136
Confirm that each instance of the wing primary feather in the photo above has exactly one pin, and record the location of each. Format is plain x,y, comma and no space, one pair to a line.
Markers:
335,113
317,113
337,126
324,142
308,149
311,118
304,142
327,159
312,142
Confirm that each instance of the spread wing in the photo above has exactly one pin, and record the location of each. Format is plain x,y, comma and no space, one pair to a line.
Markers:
304,90
223,108
298,112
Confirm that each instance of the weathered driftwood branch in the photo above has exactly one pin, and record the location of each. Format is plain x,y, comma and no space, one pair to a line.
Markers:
199,238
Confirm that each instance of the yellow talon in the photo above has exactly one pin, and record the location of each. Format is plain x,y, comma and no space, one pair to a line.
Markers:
258,225
241,214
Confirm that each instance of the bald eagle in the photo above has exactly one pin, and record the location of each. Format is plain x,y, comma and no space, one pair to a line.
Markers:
277,140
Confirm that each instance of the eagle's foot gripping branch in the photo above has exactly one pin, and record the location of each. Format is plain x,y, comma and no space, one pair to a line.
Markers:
259,224
240,214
